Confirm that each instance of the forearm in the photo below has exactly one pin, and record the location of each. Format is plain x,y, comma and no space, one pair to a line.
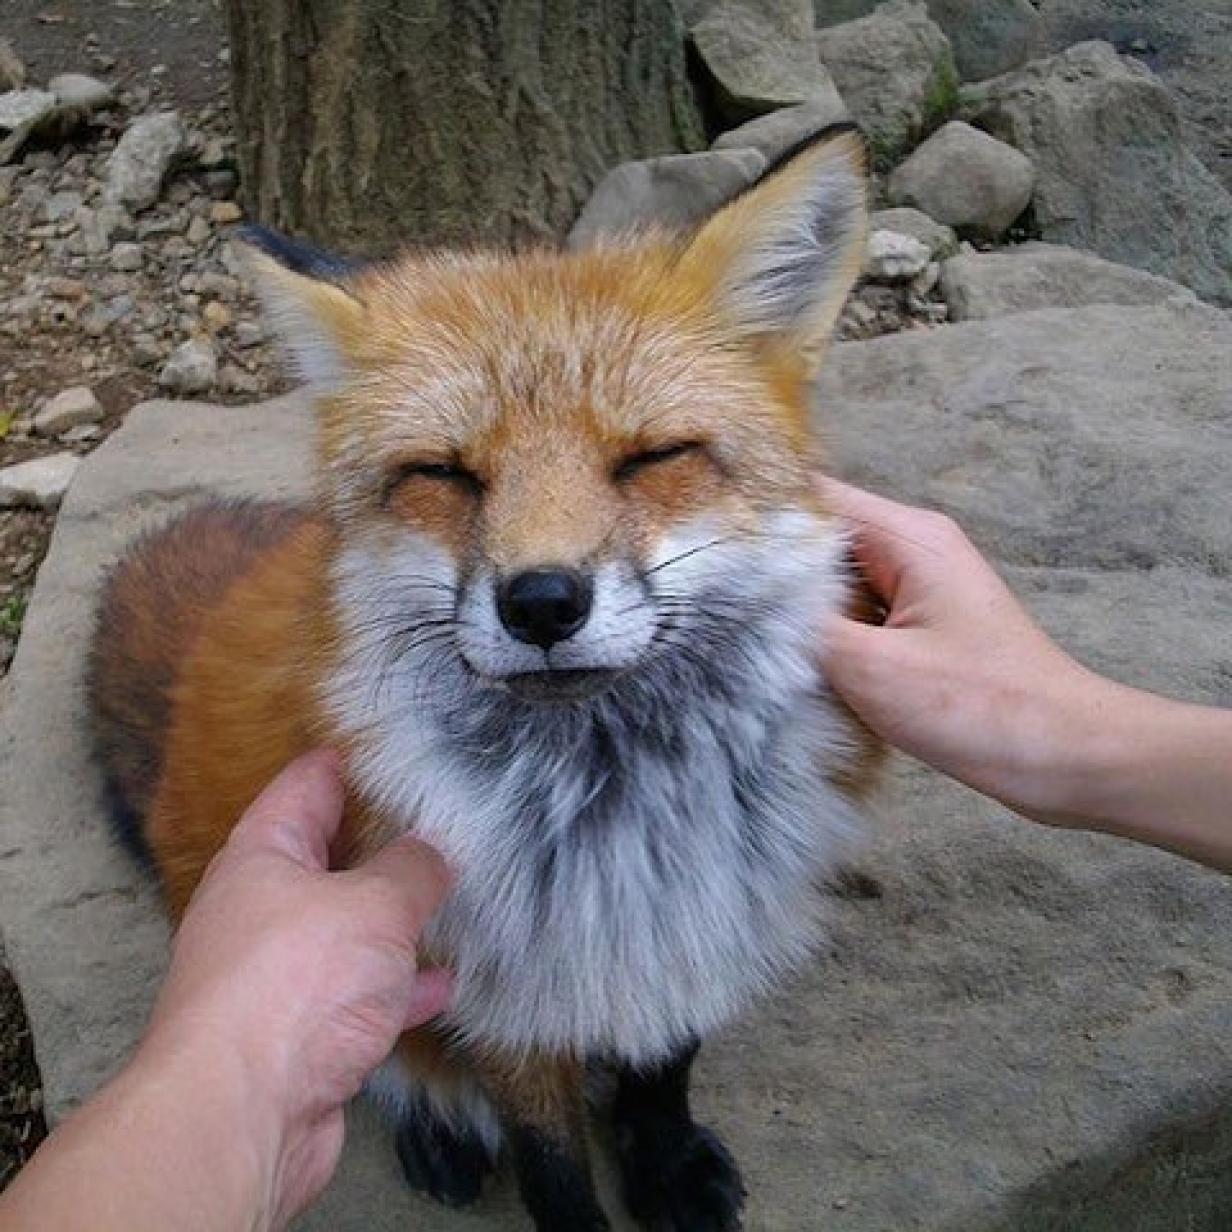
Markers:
1145,768
169,1143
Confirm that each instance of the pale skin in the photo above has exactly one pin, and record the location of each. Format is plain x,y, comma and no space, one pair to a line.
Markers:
290,983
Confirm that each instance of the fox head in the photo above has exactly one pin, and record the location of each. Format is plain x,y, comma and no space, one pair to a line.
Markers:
553,472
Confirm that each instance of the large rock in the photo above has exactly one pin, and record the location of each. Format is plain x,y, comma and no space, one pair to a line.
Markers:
777,132
980,285
967,180
988,36
759,55
39,483
142,158
1113,172
675,191
1013,1027
895,72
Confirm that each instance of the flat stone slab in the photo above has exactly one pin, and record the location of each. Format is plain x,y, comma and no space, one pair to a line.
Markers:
1013,1028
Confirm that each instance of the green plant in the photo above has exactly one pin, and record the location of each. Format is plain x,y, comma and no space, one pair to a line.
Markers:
12,613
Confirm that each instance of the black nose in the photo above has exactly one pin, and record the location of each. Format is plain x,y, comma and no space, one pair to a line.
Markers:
544,606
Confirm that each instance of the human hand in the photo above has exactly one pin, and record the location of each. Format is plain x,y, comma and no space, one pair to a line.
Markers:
959,675
294,982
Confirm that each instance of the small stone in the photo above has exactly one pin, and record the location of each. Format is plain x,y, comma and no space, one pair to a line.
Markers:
249,334
68,409
890,257
127,257
216,316
82,434
38,484
223,213
147,350
940,239
142,159
235,380
191,369
221,285
926,283
81,93
199,230
12,70
61,205
21,111
59,287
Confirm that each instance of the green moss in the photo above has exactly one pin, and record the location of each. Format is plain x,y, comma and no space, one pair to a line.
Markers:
943,96
12,613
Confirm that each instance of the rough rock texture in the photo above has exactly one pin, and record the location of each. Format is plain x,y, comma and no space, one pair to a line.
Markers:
965,179
674,191
68,409
1113,173
143,157
39,483
21,112
192,367
80,93
988,36
980,285
1008,1019
904,220
759,56
775,133
890,256
894,108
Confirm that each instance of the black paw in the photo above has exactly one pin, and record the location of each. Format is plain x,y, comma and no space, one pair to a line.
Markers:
445,1163
679,1178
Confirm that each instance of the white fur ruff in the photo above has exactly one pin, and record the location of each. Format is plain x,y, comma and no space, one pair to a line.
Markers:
636,868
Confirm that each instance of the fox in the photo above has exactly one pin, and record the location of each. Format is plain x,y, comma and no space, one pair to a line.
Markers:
557,603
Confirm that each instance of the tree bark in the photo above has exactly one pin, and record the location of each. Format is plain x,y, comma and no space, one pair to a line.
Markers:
370,123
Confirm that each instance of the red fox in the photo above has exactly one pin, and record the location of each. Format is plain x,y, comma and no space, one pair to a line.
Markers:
557,603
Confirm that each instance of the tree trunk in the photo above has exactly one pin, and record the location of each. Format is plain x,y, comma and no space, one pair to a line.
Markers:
369,123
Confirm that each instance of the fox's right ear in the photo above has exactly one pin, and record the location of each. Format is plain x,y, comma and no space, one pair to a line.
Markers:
310,301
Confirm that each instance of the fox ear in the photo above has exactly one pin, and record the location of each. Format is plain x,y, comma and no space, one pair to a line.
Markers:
783,255
310,301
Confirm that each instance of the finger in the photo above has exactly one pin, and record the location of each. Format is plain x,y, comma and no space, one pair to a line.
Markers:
413,875
848,647
298,814
431,994
889,537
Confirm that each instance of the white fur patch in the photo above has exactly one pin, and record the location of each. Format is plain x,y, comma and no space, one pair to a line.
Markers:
633,869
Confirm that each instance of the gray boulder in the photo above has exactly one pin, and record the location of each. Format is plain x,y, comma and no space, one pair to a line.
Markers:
760,56
980,285
142,158
988,36
939,239
895,72
1009,1020
676,191
775,133
39,483
965,179
1113,172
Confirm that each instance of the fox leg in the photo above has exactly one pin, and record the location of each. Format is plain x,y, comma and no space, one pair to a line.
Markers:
543,1117
677,1175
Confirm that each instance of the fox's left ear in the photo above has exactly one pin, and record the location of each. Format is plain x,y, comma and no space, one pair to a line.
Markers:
781,258
311,300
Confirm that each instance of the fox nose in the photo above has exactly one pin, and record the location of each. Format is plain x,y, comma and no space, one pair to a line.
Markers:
544,606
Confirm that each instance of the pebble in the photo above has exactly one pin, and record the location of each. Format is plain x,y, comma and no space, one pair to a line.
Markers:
126,257
199,230
891,257
70,408
222,213
191,369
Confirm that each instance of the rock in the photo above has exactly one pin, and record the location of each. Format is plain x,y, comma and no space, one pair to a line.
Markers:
1008,1017
39,483
216,316
62,205
249,334
940,239
760,57
891,257
12,70
78,90
21,112
142,158
676,191
988,36
1113,172
895,71
223,213
191,369
777,132
967,180
127,257
68,409
978,286
199,231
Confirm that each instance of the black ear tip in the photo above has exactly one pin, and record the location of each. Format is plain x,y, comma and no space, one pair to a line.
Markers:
298,257
821,136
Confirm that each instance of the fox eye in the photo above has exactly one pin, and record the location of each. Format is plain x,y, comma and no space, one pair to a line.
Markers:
635,463
439,472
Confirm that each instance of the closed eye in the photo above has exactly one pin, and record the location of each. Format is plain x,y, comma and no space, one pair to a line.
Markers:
634,464
439,472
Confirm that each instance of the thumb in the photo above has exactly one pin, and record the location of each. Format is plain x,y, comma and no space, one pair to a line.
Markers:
850,653
299,813
413,876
